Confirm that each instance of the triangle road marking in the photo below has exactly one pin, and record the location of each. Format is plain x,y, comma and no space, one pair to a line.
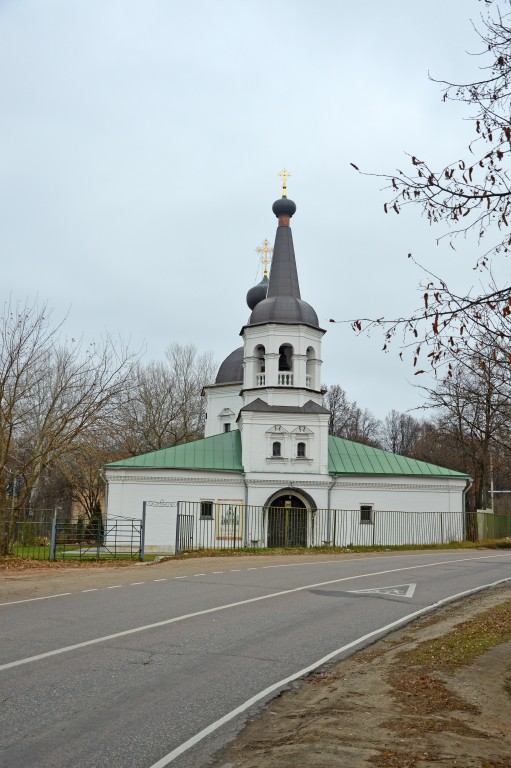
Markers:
400,590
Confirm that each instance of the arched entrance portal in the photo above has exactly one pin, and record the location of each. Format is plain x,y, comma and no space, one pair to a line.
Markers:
288,518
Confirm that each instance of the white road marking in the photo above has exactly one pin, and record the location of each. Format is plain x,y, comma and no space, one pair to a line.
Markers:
166,622
115,586
159,579
235,570
198,574
136,583
401,590
31,599
171,756
281,565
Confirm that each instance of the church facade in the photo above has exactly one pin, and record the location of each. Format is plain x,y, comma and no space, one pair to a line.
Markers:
266,442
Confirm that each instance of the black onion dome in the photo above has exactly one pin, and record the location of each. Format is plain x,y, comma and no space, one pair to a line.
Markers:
258,292
283,207
231,370
284,309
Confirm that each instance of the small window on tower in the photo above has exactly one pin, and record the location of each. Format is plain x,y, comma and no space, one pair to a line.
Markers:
300,450
227,427
276,449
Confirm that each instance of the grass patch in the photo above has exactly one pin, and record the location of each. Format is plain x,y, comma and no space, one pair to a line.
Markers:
326,549
32,552
464,643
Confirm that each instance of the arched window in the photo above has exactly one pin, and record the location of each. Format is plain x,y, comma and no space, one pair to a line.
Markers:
300,450
260,366
309,378
286,357
260,352
276,449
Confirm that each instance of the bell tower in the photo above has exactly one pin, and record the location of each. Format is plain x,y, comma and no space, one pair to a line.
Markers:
283,422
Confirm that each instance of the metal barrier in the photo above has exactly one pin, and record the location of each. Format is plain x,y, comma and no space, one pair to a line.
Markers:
117,539
208,525
29,535
39,535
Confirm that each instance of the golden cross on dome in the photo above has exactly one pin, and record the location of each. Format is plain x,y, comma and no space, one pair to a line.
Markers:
284,175
265,250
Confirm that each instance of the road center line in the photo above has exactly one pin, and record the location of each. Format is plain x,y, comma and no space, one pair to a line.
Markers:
166,622
32,599
171,756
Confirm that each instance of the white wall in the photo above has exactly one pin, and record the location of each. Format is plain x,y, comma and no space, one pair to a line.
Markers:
128,489
219,398
433,497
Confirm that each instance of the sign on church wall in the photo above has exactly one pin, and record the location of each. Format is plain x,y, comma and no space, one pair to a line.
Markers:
229,520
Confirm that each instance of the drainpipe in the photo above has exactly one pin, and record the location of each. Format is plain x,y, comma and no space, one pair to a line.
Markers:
245,543
329,512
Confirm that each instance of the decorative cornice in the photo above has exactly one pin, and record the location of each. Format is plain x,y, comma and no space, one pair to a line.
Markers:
283,483
169,480
452,485
395,486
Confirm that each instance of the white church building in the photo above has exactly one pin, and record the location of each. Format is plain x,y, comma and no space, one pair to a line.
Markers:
267,472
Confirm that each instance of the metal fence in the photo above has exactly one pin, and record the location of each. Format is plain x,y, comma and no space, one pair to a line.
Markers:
40,535
31,535
119,538
206,525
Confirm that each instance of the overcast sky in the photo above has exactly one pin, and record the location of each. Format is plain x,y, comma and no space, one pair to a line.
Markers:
140,142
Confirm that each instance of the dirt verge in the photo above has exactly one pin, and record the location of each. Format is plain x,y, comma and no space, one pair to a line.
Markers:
434,694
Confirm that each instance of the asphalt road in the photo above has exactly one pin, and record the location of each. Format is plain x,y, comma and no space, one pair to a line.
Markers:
138,675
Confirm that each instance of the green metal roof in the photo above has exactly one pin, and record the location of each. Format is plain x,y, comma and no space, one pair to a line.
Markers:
216,453
346,457
223,453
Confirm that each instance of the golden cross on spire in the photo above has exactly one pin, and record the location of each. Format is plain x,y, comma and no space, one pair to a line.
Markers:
284,175
265,251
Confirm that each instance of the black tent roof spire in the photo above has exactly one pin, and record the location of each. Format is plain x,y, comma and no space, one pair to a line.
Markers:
283,303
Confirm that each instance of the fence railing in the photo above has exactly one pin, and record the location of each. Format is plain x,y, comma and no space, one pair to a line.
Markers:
207,525
51,539
117,539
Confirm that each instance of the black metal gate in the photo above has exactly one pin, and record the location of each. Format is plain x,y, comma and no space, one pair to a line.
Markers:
116,539
184,532
287,527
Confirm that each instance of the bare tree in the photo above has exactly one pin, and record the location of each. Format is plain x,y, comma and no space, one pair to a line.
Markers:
82,471
165,406
472,196
348,420
401,433
474,409
52,394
